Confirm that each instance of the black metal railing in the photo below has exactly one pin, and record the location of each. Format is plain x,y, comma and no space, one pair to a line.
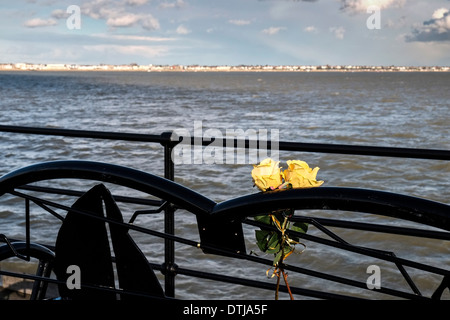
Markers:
169,268
165,139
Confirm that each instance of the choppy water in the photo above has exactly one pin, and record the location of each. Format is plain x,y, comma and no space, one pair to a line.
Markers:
381,109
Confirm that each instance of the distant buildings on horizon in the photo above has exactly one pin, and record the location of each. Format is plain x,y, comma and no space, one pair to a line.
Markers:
222,68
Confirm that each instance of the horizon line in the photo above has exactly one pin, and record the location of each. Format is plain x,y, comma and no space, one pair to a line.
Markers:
25,66
228,65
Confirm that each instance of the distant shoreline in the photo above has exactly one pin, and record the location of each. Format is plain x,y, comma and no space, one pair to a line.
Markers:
220,68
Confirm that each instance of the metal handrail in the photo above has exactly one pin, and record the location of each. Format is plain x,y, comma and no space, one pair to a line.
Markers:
166,138
192,200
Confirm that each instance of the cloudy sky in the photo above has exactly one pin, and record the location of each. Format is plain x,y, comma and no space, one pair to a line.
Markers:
226,32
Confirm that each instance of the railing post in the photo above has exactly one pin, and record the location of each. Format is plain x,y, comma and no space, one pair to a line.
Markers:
169,268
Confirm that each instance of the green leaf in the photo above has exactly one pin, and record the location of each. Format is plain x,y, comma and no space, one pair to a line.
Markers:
300,227
277,258
263,219
261,239
273,244
261,235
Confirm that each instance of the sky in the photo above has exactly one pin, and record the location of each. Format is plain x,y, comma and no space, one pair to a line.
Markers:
226,32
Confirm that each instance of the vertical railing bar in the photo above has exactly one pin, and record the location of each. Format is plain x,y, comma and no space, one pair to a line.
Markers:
169,220
27,228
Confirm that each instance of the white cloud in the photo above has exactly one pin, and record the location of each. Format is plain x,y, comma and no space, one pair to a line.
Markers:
117,15
338,32
100,9
148,22
182,30
358,6
176,4
136,2
38,22
59,14
273,30
311,29
440,13
130,19
125,20
239,22
435,29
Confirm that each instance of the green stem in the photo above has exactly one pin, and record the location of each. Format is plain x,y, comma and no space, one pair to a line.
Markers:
278,265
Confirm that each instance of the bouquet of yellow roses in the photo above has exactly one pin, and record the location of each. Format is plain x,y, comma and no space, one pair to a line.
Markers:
267,176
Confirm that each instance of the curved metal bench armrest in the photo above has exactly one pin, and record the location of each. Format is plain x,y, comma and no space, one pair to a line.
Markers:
336,198
120,175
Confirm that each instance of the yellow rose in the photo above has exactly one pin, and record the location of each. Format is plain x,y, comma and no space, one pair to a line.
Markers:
300,175
267,174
